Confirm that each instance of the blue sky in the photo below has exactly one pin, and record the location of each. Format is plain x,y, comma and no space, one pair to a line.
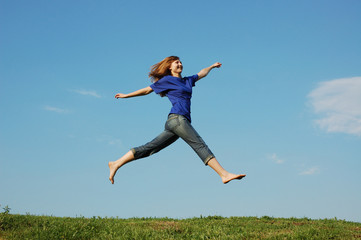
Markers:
284,108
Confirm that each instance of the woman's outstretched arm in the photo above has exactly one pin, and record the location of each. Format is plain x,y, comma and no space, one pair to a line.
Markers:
140,92
204,72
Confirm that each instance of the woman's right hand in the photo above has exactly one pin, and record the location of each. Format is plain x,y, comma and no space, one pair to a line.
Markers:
140,92
120,95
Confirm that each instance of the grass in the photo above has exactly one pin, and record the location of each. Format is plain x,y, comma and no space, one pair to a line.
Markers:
212,227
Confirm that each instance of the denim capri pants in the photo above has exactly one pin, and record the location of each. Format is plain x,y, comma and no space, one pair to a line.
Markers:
175,127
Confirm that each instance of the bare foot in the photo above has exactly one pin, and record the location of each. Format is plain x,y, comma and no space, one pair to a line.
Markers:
113,169
231,177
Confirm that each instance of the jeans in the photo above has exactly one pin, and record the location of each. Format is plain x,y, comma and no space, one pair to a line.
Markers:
175,127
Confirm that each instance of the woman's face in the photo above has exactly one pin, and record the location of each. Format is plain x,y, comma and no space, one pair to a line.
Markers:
176,67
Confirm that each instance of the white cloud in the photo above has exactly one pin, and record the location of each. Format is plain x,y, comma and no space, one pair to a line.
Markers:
110,140
87,93
276,159
55,109
310,171
338,102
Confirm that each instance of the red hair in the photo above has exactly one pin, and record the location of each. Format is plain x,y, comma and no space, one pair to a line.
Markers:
161,69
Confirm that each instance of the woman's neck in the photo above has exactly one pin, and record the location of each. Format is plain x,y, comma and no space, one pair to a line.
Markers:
178,75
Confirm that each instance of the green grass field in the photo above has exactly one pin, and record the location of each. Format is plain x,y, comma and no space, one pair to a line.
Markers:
212,227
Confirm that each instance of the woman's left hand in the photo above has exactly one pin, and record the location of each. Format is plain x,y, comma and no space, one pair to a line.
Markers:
217,65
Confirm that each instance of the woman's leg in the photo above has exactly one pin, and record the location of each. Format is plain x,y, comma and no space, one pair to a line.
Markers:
185,130
114,166
161,141
226,176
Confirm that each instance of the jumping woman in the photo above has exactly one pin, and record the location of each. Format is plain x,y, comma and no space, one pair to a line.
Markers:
168,81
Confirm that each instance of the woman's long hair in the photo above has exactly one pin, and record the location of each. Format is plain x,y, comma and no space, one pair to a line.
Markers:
161,69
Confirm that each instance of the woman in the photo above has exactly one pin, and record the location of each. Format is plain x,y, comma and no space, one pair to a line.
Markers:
168,81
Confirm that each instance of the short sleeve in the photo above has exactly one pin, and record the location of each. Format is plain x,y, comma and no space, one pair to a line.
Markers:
193,79
161,85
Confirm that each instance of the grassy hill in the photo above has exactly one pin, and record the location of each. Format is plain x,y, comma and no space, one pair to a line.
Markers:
212,227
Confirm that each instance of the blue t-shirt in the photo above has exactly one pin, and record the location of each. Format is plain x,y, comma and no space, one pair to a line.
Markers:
178,91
